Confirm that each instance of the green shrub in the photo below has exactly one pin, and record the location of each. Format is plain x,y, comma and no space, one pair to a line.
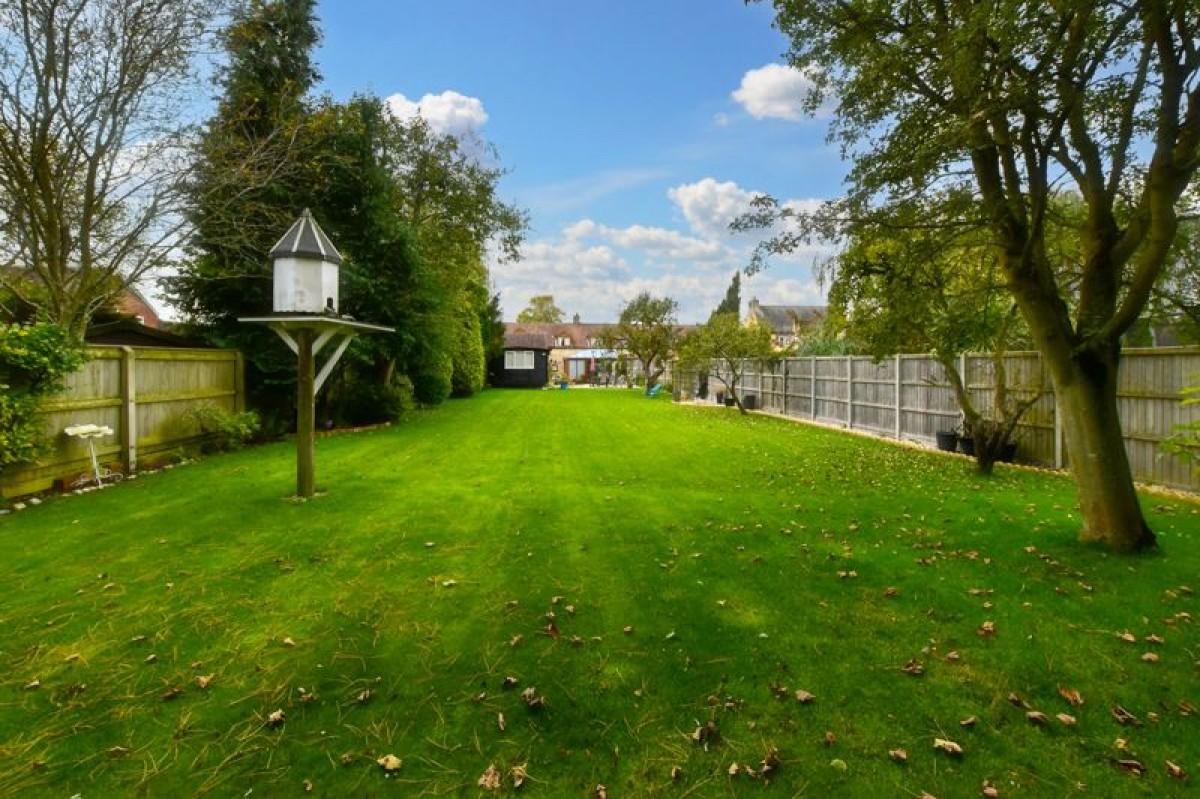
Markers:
468,363
361,402
223,430
432,378
34,361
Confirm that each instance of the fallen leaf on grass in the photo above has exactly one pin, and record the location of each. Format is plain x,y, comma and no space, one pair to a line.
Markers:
989,791
969,721
891,592
898,755
288,642
390,763
601,792
1132,766
151,658
1016,701
913,667
204,680
500,721
118,751
676,773
1155,639
533,699
1071,695
987,628
804,697
1037,718
949,747
510,682
308,786
33,685
769,763
518,774
364,696
1127,637
449,583
516,640
1067,719
276,718
1150,657
172,693
490,779
953,656
1186,708
1175,772
830,738
705,733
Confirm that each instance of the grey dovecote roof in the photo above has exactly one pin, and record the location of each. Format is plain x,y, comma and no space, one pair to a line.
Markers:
305,239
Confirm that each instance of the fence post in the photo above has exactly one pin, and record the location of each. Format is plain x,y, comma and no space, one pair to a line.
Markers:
850,392
127,416
785,386
812,387
898,403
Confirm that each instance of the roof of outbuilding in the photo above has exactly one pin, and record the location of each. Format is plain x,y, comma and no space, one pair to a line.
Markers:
528,341
305,239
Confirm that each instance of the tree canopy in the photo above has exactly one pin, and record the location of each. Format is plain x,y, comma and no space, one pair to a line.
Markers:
724,347
646,330
91,166
541,310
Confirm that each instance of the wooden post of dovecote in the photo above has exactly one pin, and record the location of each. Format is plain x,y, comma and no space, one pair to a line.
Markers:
305,315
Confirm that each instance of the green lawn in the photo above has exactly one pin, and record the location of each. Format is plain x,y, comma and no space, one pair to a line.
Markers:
701,567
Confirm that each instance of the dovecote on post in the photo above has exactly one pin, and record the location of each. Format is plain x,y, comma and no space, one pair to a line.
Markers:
306,267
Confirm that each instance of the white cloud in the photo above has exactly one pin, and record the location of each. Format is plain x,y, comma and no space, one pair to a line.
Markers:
593,269
774,91
709,206
448,113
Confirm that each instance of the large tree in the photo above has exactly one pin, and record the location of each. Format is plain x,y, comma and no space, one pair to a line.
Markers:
1012,100
92,94
256,168
646,330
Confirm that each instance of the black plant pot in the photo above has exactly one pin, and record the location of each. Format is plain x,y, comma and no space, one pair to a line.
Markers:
947,440
1008,452
730,402
966,446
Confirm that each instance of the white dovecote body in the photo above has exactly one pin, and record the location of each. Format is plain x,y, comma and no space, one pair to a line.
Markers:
306,269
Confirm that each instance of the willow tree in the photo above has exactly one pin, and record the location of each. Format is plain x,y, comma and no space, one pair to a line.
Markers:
1012,100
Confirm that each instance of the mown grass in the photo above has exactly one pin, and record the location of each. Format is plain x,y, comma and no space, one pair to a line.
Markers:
750,558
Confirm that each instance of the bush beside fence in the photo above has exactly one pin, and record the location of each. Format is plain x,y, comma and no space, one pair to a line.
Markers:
906,397
144,395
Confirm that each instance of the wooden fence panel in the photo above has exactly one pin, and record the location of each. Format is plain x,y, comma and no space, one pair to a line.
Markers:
143,394
908,397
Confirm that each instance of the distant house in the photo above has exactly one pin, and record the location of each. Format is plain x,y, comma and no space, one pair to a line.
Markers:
576,353
787,323
525,362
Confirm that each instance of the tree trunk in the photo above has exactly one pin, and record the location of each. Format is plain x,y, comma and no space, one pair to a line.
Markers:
1087,398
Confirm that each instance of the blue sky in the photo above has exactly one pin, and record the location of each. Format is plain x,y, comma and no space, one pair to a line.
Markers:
633,131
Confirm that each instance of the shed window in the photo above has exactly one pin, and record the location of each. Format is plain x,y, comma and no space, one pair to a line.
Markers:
518,359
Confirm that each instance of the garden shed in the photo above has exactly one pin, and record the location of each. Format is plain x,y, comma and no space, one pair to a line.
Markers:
525,362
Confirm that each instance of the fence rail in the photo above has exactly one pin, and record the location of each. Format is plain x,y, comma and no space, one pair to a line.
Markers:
907,397
143,394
